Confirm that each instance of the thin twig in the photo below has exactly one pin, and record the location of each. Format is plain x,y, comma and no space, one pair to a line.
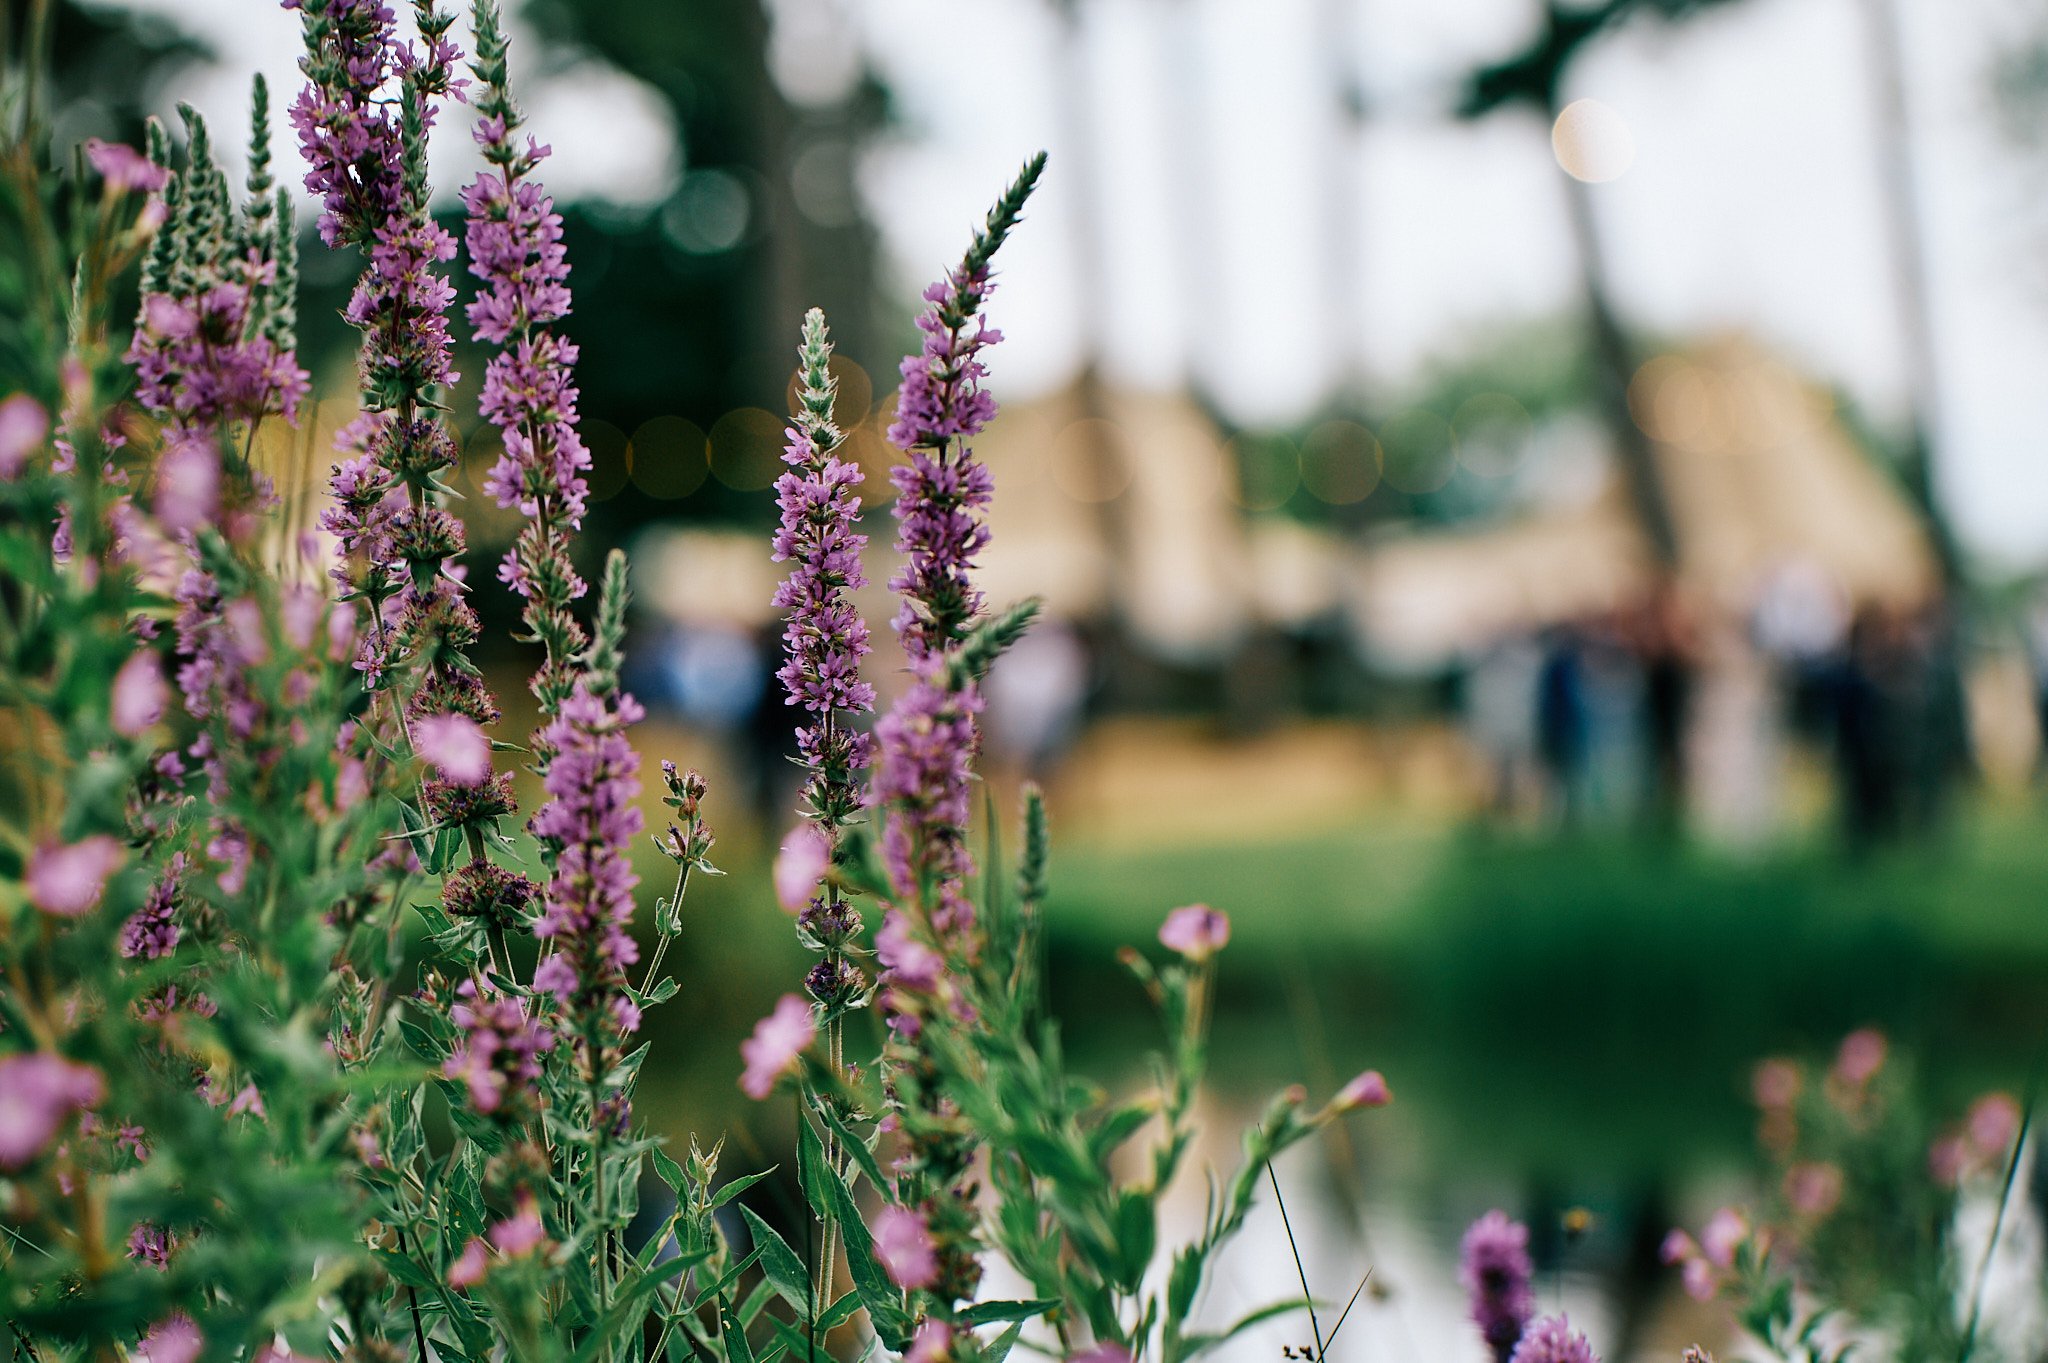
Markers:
1307,1300
2012,1167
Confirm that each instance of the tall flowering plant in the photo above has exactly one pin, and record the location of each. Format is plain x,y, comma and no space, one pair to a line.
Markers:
970,1133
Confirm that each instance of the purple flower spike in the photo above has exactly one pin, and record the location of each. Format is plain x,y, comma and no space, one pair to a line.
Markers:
942,492
1498,1274
1552,1340
825,637
591,819
927,744
514,237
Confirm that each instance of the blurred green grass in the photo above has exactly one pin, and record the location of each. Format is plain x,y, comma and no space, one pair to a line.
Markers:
1554,1006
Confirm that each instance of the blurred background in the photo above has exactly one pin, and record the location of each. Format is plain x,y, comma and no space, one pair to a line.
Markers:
1541,508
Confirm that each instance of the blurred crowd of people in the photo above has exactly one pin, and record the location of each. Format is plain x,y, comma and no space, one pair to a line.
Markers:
1618,719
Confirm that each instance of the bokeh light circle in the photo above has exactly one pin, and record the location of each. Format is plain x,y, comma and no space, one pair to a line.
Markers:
1592,141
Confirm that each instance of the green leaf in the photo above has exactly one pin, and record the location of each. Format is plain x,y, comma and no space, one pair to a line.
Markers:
739,1185
989,1312
999,1348
814,1173
671,1173
403,1269
737,1350
856,1148
877,1293
1137,1232
1197,1344
779,1262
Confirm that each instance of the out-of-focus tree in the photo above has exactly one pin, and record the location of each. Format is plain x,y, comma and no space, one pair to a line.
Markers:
106,70
776,164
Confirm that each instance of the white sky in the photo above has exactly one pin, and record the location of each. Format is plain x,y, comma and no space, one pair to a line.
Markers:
1223,176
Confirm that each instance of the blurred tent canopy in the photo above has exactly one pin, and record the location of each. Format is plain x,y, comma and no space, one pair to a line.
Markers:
1761,475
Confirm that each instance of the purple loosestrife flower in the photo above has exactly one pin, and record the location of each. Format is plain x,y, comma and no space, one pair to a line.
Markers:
363,120
590,820
1497,1273
515,246
206,352
927,743
824,639
1552,1340
942,491
152,932
499,1054
123,167
140,694
23,426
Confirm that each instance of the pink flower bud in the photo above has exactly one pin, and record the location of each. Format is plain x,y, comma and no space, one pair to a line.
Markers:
1195,931
1861,1057
1993,1124
1367,1090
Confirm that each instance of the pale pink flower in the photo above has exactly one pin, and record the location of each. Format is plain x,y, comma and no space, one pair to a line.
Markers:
1814,1188
1724,1234
351,784
1677,1248
140,693
800,865
911,964
521,1232
187,486
778,1040
68,879
23,424
1367,1090
468,1270
1861,1057
932,1344
456,744
1702,1282
1101,1353
301,610
904,1245
38,1094
125,168
1196,931
174,1339
1993,1124
1775,1084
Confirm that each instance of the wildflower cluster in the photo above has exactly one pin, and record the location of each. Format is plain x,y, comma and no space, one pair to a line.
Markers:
268,893
1859,1229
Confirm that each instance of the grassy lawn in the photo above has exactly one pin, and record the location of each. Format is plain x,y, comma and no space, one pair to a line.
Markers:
1555,1005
